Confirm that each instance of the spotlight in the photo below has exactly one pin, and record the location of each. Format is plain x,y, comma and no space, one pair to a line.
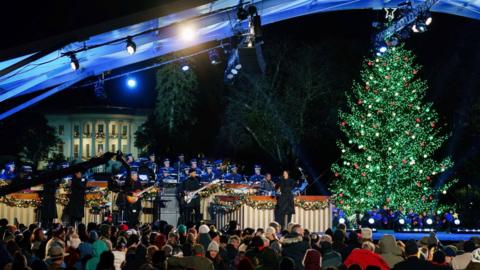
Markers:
214,57
419,28
185,67
429,221
230,76
371,221
187,33
74,64
131,82
428,21
456,221
238,66
234,71
382,49
444,191
401,221
131,46
341,220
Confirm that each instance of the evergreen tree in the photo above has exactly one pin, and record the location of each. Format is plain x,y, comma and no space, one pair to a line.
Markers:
391,136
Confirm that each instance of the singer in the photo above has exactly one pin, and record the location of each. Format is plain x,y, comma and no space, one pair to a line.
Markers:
285,207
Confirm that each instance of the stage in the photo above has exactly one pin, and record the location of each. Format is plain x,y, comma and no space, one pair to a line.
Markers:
442,236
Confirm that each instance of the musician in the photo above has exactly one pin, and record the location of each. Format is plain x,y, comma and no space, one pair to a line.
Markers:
9,172
209,175
267,185
191,211
234,175
257,176
167,167
217,170
76,203
151,163
25,172
132,210
285,207
180,163
48,206
184,173
193,165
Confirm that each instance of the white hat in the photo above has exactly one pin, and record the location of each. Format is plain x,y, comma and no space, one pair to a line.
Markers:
270,230
213,246
367,233
203,229
476,255
242,248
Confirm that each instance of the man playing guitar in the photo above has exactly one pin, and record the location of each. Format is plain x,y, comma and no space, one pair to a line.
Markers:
133,207
190,211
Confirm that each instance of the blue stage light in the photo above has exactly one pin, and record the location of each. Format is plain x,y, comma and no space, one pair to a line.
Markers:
401,221
382,49
429,221
371,221
456,221
341,220
131,82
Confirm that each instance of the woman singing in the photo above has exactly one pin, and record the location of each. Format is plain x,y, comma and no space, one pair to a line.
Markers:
285,205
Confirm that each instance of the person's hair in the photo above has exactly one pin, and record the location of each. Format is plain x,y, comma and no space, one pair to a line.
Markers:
36,235
106,261
19,261
287,263
469,246
82,232
296,227
368,245
438,256
354,267
234,238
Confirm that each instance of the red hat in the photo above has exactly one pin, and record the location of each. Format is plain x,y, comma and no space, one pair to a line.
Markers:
123,227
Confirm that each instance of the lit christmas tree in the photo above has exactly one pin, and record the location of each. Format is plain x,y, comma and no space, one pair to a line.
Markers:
391,136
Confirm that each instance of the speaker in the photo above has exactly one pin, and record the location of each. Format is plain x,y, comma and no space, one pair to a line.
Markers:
252,60
169,210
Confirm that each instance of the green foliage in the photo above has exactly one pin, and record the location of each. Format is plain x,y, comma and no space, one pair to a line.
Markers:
28,136
175,97
391,136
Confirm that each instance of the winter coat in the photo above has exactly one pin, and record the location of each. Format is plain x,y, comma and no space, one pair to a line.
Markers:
98,247
461,262
412,263
191,262
204,240
76,204
312,260
389,250
473,266
295,248
230,255
365,258
275,245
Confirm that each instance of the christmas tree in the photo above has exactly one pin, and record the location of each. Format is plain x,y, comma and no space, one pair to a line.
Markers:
391,135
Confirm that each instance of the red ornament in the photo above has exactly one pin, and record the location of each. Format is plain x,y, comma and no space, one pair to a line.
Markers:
387,77
344,123
341,194
367,87
370,63
410,106
406,58
418,120
419,184
431,197
415,71
375,91
432,124
404,161
336,174
423,198
428,178
359,102
341,201
384,64
364,174
356,165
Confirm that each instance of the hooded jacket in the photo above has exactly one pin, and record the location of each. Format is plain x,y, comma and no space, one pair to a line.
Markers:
295,248
389,250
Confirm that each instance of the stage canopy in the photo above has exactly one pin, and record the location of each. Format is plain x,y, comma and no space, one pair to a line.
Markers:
44,65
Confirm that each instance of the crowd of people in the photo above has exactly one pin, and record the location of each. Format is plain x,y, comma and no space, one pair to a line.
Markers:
163,246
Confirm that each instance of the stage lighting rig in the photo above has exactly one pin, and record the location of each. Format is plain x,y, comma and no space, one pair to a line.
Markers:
131,46
99,88
214,57
74,63
414,17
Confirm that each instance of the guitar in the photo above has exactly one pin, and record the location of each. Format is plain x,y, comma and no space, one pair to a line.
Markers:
133,198
188,197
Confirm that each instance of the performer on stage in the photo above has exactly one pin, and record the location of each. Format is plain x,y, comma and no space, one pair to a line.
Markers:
257,176
152,164
190,212
9,172
267,185
234,175
48,206
180,163
208,176
285,207
76,203
132,210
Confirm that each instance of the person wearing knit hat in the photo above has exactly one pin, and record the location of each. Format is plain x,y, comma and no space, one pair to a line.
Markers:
123,227
271,235
198,261
326,238
145,230
204,236
450,253
367,234
182,229
213,246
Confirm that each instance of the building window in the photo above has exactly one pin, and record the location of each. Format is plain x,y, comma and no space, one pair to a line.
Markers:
100,149
87,130
76,131
100,133
61,129
100,128
124,148
113,147
124,131
87,150
60,147
114,130
75,151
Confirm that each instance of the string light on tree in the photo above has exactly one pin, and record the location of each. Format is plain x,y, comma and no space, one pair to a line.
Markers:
392,132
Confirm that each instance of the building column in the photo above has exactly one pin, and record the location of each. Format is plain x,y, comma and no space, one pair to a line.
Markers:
94,132
72,139
129,136
107,136
80,146
119,133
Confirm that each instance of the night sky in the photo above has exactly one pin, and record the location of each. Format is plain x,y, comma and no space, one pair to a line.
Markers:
449,53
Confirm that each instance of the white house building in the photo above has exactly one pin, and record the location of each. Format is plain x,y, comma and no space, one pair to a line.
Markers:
90,131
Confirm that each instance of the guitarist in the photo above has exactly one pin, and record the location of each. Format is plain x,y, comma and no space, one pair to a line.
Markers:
132,185
190,211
